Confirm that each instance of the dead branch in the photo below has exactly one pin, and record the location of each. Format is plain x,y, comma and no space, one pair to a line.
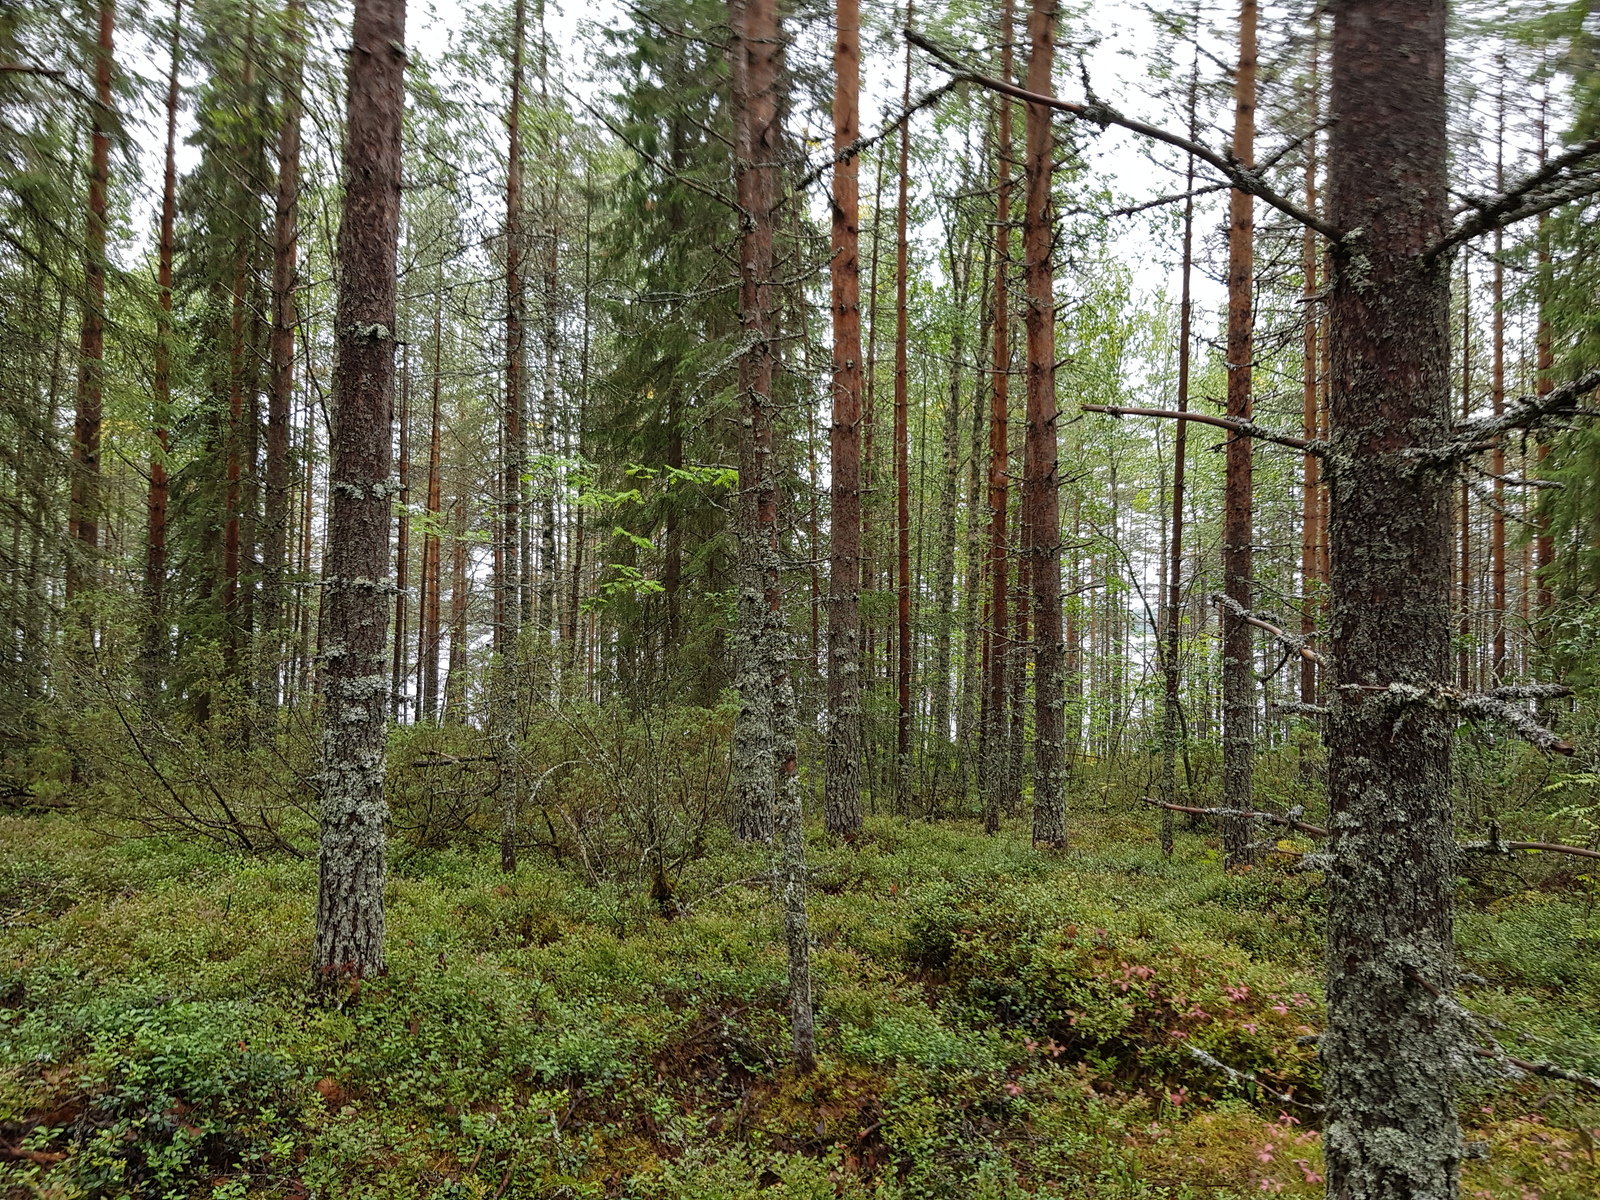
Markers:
1239,1076
867,141
1292,642
1526,412
1233,424
1520,720
1548,187
1246,179
1271,818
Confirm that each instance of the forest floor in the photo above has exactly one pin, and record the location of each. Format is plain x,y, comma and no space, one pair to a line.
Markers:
994,1022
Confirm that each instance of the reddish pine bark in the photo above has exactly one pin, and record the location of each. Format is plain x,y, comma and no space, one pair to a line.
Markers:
902,460
1040,501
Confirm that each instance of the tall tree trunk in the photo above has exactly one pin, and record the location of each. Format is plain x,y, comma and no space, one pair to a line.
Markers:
428,617
155,561
841,804
349,934
997,645
84,517
1497,385
1544,546
509,584
902,459
239,322
1171,658
1041,504
280,379
1392,1048
402,546
1311,464
1464,504
757,146
455,683
944,571
1238,642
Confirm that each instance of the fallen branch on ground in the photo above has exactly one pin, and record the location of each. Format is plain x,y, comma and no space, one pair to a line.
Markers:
1493,846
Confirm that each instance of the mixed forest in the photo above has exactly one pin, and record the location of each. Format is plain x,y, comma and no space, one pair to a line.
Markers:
702,599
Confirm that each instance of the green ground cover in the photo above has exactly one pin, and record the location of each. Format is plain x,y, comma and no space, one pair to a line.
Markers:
993,1022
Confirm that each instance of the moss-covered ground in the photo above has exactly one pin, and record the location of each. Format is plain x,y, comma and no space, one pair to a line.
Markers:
994,1022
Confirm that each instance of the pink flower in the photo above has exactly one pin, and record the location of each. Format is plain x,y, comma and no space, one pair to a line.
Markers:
1179,1096
1013,1089
1265,1153
1237,993
1281,1009
1248,1026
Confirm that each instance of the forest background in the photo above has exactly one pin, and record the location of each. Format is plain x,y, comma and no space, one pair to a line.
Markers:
1121,1018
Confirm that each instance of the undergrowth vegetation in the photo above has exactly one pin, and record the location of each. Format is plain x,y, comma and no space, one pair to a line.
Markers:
994,1022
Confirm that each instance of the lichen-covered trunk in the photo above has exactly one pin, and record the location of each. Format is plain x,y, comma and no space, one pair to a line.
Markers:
1391,1050
756,49
280,369
841,802
1040,488
355,584
1238,643
753,69
84,515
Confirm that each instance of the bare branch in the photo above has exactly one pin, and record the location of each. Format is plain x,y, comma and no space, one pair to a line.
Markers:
1290,820
1245,179
1526,412
30,69
1238,1076
1540,191
1244,428
1291,642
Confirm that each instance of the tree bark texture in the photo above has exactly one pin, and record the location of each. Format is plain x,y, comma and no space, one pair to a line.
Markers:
1172,639
757,47
1311,464
402,544
996,754
155,561
841,805
355,585
280,369
902,457
1392,1047
1040,486
84,516
1238,642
